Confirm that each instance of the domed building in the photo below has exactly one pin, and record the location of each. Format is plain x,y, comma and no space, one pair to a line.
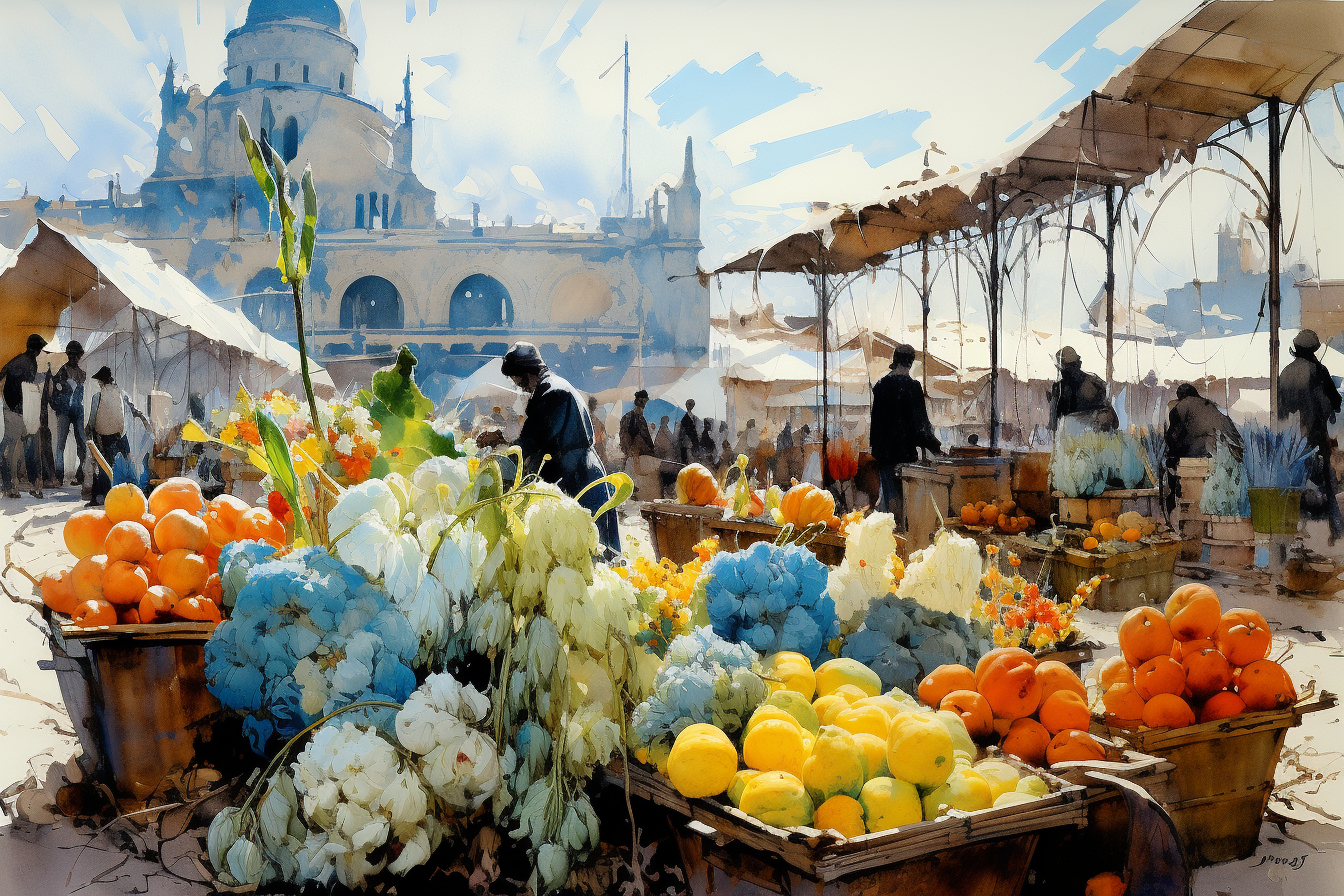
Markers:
385,270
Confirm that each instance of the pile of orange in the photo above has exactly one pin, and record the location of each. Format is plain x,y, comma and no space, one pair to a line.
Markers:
1192,663
1036,711
155,559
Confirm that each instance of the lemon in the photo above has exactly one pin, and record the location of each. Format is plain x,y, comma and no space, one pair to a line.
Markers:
775,745
769,711
793,671
851,693
777,798
889,803
828,707
840,813
1033,786
832,674
964,790
703,761
864,720
1001,776
837,765
1013,798
891,707
919,750
796,705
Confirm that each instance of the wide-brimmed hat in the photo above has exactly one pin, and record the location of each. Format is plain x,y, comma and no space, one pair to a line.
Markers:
1068,356
1307,341
104,374
36,343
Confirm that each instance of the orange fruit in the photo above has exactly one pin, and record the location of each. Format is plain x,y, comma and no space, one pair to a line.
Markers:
1063,710
211,554
157,604
58,592
1008,682
1056,676
1193,612
1074,745
125,502
944,680
1113,671
1160,675
179,529
183,571
1206,672
1123,704
1167,711
1090,543
1243,636
178,493
257,524
93,613
197,609
1105,884
1223,705
85,532
974,711
1026,739
124,583
86,579
1265,685
1182,649
128,615
221,517
150,562
127,541
214,589
1144,634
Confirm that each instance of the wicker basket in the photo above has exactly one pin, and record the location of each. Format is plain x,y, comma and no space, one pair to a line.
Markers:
1137,577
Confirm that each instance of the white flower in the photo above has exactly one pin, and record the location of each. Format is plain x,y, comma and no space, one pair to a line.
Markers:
460,763
245,863
345,444
863,574
437,485
944,577
372,496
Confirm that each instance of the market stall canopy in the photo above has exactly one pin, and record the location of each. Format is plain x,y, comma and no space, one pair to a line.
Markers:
1220,64
486,383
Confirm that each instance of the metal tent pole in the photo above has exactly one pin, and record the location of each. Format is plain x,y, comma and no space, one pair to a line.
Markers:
1110,291
994,287
924,308
825,391
1275,223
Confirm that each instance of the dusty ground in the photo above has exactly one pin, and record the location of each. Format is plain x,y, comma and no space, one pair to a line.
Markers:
1302,854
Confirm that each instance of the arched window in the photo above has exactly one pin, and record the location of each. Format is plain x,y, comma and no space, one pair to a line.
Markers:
342,80
387,219
249,74
277,71
305,74
359,210
480,301
290,140
371,303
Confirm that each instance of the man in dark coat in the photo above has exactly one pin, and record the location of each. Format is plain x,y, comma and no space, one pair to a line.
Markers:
558,425
688,434
898,428
1080,395
1193,430
637,448
17,440
1306,389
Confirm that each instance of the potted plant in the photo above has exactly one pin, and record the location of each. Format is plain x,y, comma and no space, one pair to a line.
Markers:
1226,498
1276,459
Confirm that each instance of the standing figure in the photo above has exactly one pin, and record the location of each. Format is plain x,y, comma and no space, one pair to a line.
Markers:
688,434
1306,389
108,413
708,450
1193,430
637,447
20,369
898,428
1080,396
557,424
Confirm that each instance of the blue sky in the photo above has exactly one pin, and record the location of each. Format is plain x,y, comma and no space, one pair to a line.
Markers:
785,102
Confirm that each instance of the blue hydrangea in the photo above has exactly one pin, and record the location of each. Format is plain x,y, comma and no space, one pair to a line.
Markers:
903,641
772,598
308,635
703,679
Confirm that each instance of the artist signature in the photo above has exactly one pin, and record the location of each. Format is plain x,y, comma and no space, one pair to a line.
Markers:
1294,863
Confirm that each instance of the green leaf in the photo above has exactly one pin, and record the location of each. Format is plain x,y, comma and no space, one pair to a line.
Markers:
309,235
395,387
622,486
256,162
282,468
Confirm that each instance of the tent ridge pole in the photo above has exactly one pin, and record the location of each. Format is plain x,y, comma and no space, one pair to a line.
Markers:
1275,224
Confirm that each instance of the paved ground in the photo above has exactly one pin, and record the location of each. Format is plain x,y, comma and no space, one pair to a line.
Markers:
1302,854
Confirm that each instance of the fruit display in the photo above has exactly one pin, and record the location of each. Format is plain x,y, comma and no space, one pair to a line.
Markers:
828,749
141,560
805,505
697,486
1002,516
1085,464
1191,662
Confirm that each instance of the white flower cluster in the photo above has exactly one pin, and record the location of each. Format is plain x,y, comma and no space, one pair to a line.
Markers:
944,577
864,572
560,532
459,762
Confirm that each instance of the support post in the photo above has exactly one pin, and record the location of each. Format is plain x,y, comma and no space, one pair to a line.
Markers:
822,313
994,315
1275,223
924,308
1110,291
625,140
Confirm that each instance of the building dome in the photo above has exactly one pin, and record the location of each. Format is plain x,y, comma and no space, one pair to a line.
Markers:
323,12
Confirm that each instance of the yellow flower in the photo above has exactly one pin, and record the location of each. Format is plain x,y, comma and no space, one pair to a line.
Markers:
229,433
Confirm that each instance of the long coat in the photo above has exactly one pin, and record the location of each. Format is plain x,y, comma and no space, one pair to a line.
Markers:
900,425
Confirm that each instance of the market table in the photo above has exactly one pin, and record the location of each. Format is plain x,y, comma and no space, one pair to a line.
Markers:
676,528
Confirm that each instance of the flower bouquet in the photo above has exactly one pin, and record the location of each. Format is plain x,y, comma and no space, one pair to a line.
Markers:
1019,615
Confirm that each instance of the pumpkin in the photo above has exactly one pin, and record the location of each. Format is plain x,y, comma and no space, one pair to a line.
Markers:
1104,521
805,504
1131,535
1110,531
970,515
1090,543
840,460
990,514
696,485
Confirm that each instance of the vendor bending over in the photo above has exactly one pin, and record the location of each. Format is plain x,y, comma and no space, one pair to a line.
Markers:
558,425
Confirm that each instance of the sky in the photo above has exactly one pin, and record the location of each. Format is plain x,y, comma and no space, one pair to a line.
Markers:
785,103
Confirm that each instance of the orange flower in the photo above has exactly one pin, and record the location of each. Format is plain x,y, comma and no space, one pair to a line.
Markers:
1014,560
992,549
247,431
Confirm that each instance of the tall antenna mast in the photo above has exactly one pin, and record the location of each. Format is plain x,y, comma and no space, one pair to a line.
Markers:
625,139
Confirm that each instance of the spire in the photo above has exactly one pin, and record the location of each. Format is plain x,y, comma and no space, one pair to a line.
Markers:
169,79
688,171
405,105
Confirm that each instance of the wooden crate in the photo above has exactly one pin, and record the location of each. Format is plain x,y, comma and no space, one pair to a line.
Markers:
987,479
1233,556
1137,577
1231,528
1031,483
925,492
675,529
1222,775
734,535
983,853
1108,505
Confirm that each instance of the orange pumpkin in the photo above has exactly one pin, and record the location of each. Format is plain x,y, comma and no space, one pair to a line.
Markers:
1243,636
1144,634
1167,711
1193,612
1028,740
1160,675
696,485
1114,671
989,514
179,529
221,518
85,531
805,504
124,583
756,504
258,524
1131,535
970,516
1206,672
974,711
1009,684
1090,543
1265,685
128,541
1106,883
1063,710
944,680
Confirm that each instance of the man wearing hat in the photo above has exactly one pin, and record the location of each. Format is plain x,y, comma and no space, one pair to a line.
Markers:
67,401
1193,430
1307,389
898,428
20,369
637,447
108,415
1080,396
558,425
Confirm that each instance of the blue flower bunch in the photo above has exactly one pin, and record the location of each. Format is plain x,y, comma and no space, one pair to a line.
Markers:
903,641
308,635
772,598
703,679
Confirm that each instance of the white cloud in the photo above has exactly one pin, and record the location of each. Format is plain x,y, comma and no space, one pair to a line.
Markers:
10,119
56,134
526,178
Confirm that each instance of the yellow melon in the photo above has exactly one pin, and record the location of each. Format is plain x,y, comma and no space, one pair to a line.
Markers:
792,671
919,750
889,803
703,761
796,705
775,745
837,764
777,798
831,674
864,720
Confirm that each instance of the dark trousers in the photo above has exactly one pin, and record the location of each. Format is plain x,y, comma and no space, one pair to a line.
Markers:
71,421
1323,475
890,499
109,447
